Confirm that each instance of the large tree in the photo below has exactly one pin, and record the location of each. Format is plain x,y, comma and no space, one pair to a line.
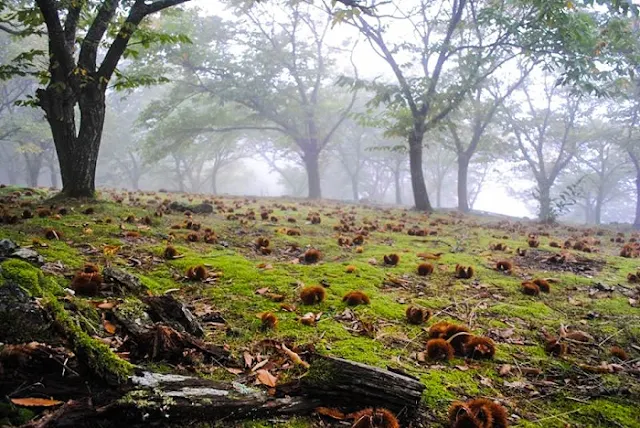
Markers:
78,33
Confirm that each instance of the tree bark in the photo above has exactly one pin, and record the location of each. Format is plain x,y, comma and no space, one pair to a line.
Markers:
355,188
77,154
635,159
214,181
33,170
397,173
545,203
598,207
418,184
312,165
636,223
53,175
463,177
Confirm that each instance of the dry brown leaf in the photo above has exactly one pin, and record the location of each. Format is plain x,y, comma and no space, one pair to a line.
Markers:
262,291
106,305
234,371
505,370
288,307
331,413
275,297
266,378
308,319
295,357
428,256
110,250
579,336
248,359
260,364
109,327
35,402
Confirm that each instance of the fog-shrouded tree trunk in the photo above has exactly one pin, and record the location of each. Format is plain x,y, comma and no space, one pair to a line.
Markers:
80,83
397,178
450,56
546,138
276,66
544,199
463,180
34,165
482,114
420,194
311,159
53,175
635,159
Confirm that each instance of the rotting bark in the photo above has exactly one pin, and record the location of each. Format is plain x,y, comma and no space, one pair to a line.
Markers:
168,310
346,384
123,279
153,397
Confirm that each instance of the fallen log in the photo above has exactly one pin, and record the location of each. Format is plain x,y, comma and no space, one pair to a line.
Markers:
352,386
168,310
165,398
124,280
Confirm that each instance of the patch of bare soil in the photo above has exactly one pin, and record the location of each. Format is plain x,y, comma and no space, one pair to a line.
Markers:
564,261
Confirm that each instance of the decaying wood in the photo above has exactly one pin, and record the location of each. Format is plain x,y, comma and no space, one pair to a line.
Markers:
123,279
333,382
346,384
168,310
161,342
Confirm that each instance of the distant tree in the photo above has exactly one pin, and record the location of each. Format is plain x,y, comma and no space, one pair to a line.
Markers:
604,167
275,65
545,135
472,39
196,135
476,114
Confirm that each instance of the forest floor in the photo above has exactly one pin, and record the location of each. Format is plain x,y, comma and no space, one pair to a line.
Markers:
592,306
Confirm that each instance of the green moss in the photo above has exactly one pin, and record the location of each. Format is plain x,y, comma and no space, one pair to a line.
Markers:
535,310
14,416
607,413
321,372
28,277
104,363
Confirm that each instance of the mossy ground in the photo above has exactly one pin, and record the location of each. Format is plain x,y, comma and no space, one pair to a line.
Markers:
491,303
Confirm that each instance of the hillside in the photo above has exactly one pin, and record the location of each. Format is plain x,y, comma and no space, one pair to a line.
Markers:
556,361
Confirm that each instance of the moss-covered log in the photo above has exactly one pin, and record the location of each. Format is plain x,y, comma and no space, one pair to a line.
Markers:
350,385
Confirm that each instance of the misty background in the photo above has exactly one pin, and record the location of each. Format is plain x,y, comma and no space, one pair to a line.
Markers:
225,119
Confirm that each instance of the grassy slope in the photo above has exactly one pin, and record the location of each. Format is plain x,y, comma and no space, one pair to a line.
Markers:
490,303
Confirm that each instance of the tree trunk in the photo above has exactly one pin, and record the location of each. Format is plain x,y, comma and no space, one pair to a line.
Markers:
53,175
598,207
418,185
397,179
33,170
463,179
545,203
636,223
77,154
354,187
214,180
312,165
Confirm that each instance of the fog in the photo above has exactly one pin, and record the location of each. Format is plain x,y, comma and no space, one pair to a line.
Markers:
280,100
